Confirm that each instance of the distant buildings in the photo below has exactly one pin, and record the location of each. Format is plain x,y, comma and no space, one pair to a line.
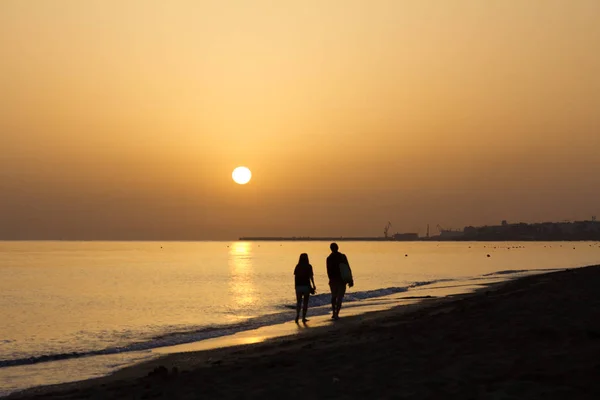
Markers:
543,231
405,236
450,235
577,230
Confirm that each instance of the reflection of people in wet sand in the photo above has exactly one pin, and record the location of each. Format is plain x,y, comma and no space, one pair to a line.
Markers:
305,285
340,274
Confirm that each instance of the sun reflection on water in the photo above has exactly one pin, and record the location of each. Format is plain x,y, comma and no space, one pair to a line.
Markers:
242,286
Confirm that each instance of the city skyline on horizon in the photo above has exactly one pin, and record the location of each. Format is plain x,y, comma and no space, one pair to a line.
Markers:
434,231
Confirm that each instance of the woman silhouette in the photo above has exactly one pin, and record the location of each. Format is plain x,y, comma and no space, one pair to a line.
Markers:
303,279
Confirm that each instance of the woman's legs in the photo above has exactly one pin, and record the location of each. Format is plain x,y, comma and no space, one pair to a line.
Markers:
305,306
298,305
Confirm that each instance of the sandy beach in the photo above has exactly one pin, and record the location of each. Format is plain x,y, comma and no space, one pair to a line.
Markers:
534,337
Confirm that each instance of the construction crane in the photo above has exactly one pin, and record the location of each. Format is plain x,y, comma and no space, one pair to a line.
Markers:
387,229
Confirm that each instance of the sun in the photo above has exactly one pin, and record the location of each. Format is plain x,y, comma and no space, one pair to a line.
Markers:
241,175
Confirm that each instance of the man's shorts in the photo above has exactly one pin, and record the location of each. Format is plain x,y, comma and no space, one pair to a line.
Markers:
338,288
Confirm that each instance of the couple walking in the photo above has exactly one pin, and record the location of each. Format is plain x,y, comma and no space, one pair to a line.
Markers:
339,274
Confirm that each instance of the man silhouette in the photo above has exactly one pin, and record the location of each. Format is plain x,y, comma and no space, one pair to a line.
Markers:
336,282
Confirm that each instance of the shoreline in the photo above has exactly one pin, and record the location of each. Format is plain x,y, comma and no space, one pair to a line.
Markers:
550,310
73,368
191,359
218,347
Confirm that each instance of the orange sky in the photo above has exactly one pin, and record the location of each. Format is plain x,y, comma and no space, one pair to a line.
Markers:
124,119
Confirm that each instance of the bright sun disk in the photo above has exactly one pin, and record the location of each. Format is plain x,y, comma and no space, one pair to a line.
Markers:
241,175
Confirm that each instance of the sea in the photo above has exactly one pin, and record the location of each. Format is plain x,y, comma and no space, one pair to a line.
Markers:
78,310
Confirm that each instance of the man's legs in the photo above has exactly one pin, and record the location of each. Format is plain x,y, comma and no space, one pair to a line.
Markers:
341,291
334,287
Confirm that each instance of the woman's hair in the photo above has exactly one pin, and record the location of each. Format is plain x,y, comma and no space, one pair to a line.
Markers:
303,259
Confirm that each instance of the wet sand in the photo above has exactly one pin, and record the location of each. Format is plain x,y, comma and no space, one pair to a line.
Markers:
534,337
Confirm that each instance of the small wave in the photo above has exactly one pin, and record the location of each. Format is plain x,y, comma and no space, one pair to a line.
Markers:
519,271
162,341
425,283
325,298
506,272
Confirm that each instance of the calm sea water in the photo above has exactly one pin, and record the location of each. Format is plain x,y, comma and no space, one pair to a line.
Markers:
68,302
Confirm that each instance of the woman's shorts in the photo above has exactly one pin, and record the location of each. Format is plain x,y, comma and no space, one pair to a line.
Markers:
302,289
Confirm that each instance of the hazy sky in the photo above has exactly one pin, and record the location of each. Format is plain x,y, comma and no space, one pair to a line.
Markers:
124,119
